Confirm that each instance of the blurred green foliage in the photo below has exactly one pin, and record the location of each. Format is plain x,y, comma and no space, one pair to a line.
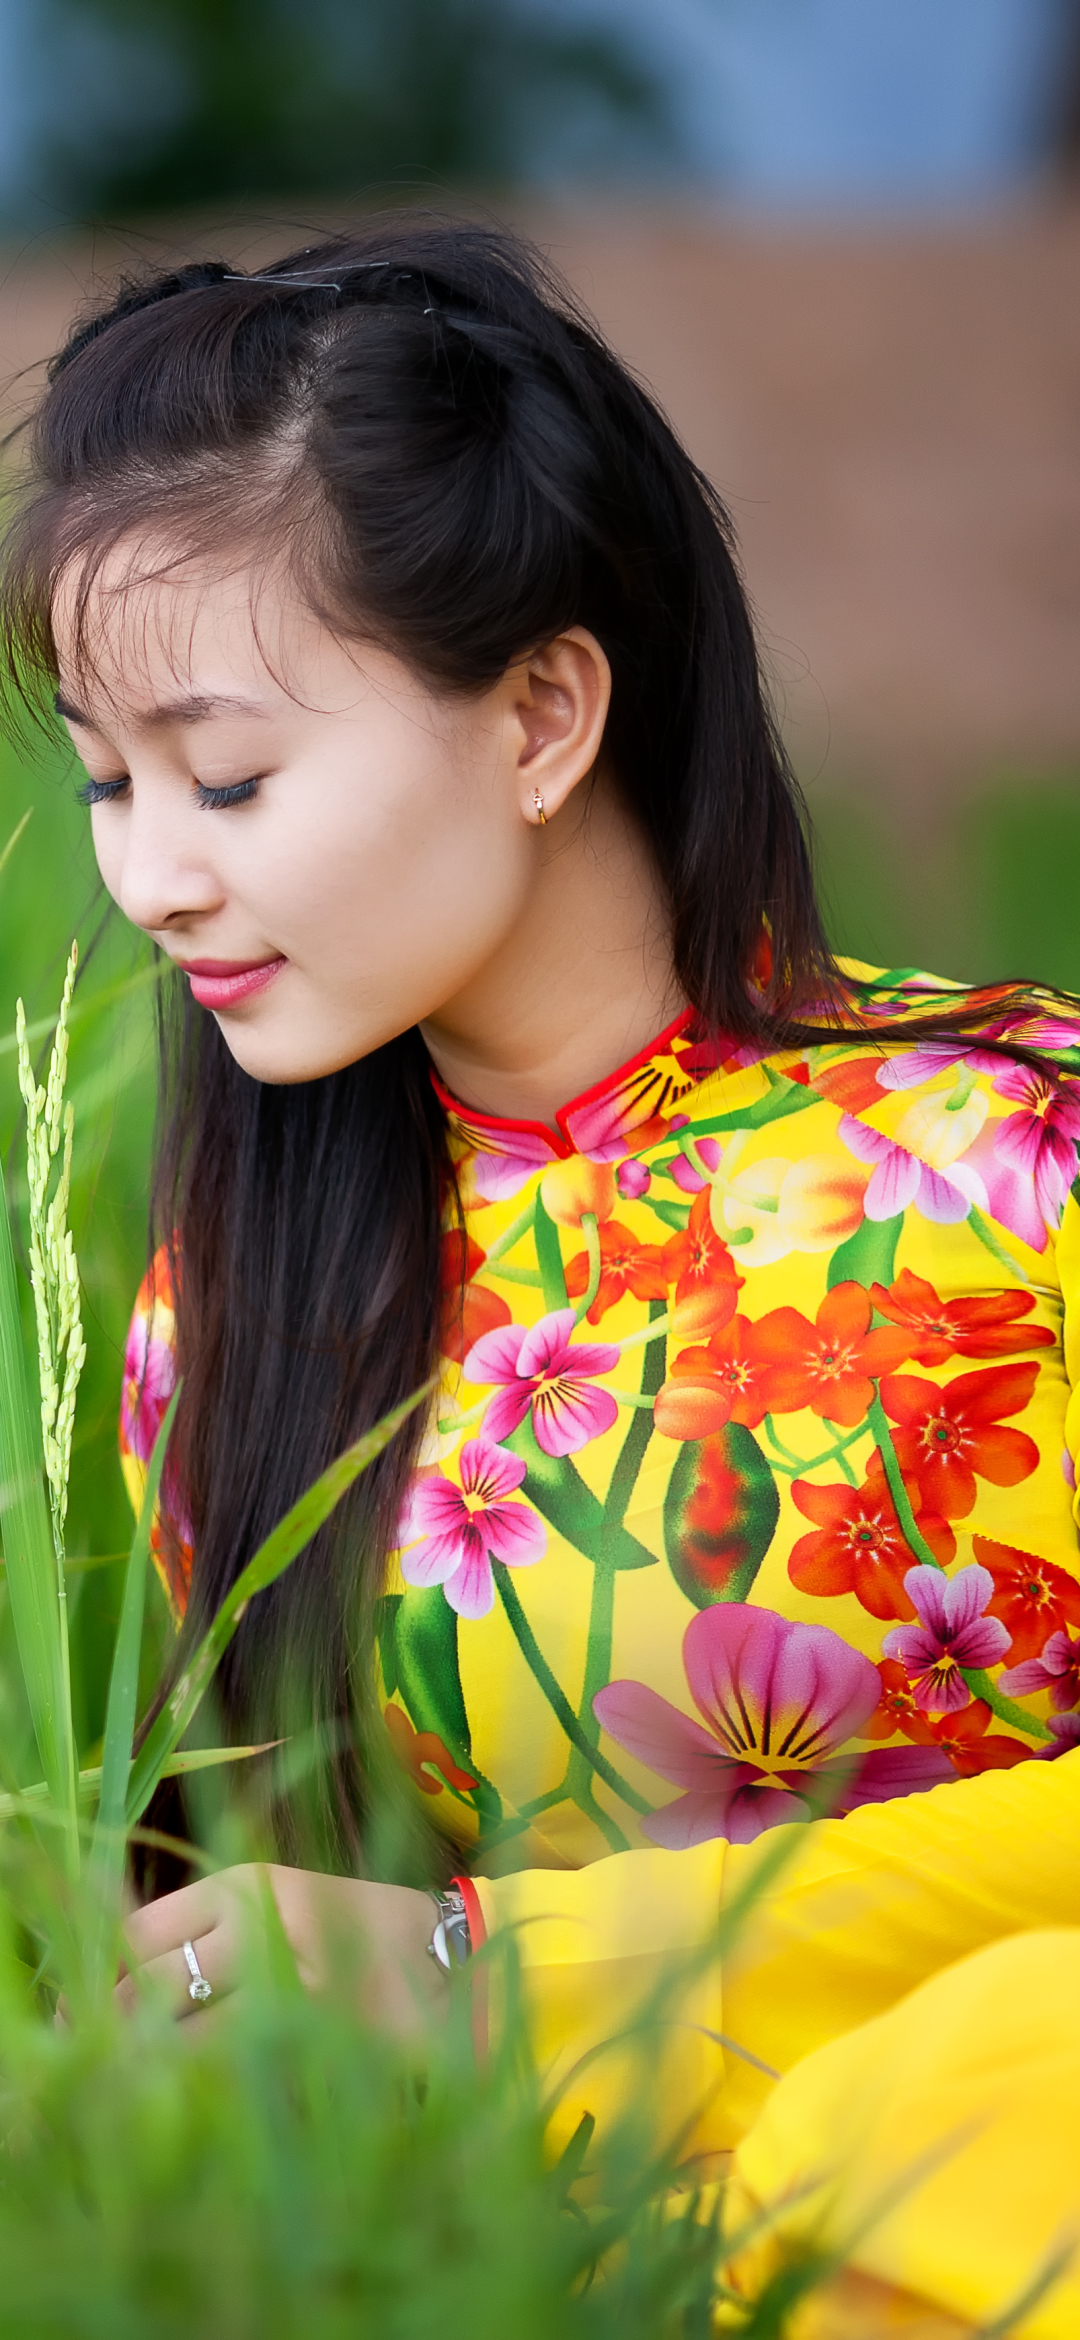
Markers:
989,891
252,98
50,891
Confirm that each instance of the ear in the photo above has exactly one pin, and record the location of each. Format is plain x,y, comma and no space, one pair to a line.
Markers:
558,701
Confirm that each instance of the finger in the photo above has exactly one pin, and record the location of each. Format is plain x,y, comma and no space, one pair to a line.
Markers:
170,1977
178,1917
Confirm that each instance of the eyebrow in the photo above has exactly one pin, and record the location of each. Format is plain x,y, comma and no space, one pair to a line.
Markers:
183,710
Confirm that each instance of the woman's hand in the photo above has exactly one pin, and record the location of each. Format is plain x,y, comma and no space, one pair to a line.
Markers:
374,1937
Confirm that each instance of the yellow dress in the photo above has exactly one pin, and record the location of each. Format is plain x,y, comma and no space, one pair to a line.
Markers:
744,1533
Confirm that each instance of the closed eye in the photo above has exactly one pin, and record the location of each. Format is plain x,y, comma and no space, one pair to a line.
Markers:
101,791
216,799
208,799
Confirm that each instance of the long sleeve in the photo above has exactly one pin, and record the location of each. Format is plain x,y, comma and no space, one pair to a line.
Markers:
866,1908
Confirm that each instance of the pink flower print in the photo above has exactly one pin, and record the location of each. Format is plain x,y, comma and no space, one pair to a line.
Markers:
547,1371
501,1171
462,1529
633,1180
684,1173
149,1381
1040,1141
629,1114
951,1632
900,1179
1056,1669
1066,1730
1044,1032
910,1067
780,1701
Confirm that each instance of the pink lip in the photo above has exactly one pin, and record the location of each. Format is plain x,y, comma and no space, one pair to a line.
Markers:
223,983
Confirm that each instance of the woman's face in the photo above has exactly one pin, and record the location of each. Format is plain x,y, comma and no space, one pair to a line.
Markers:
331,849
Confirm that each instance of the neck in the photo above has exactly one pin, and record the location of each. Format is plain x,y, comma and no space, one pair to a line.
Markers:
584,981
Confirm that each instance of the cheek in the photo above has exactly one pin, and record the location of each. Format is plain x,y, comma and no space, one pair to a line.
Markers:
387,902
108,846
371,883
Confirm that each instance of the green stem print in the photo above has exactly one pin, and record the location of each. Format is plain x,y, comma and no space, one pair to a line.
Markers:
775,1440
559,1702
980,1226
841,1455
795,1467
877,1421
510,1237
1006,1709
648,1332
549,1258
605,1568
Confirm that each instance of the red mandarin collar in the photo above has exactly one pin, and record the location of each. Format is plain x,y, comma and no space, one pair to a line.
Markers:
649,1084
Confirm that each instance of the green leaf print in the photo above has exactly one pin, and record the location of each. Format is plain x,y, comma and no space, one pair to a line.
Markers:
425,1657
386,1609
869,1256
554,1487
720,1515
787,1096
549,1259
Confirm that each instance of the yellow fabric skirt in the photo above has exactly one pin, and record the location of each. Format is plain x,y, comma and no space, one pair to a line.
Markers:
887,2037
936,2152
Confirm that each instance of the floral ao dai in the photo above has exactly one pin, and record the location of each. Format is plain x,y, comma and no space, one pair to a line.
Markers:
749,1492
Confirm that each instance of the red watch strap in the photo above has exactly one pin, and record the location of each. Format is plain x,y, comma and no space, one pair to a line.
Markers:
473,1911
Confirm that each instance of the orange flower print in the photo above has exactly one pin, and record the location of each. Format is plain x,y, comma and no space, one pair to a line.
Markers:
728,1380
854,1084
947,1435
625,1266
984,1327
704,1274
831,1365
1032,1597
859,1545
962,1736
421,1752
896,1709
467,1310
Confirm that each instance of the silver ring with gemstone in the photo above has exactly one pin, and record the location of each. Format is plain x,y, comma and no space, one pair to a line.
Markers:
198,1988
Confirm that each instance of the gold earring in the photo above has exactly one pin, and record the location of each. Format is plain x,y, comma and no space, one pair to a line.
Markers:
540,813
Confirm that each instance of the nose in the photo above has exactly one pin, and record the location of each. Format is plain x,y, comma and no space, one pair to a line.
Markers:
156,863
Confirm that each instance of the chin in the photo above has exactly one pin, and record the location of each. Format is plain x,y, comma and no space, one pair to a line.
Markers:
287,1063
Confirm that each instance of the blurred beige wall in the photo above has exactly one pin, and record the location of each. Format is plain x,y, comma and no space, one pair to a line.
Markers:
894,419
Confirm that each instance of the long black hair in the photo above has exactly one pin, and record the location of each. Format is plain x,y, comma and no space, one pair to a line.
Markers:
423,421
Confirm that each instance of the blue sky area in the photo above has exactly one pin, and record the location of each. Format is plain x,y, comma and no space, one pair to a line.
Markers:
778,104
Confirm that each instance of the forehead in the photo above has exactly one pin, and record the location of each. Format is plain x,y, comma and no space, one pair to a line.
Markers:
140,632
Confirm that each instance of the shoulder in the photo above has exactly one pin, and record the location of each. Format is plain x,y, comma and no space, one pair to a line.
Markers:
954,1102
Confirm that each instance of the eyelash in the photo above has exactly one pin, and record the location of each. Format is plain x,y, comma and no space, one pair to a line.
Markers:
209,799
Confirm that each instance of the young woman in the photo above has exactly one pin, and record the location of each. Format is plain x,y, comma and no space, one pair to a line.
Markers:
408,660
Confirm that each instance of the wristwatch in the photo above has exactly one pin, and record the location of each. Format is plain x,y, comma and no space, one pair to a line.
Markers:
450,1944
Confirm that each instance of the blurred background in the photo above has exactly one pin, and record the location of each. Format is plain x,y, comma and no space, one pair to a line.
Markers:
840,239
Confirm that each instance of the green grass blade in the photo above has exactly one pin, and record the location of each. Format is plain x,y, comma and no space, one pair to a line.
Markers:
13,840
28,1544
84,1009
35,1799
124,1679
282,1547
